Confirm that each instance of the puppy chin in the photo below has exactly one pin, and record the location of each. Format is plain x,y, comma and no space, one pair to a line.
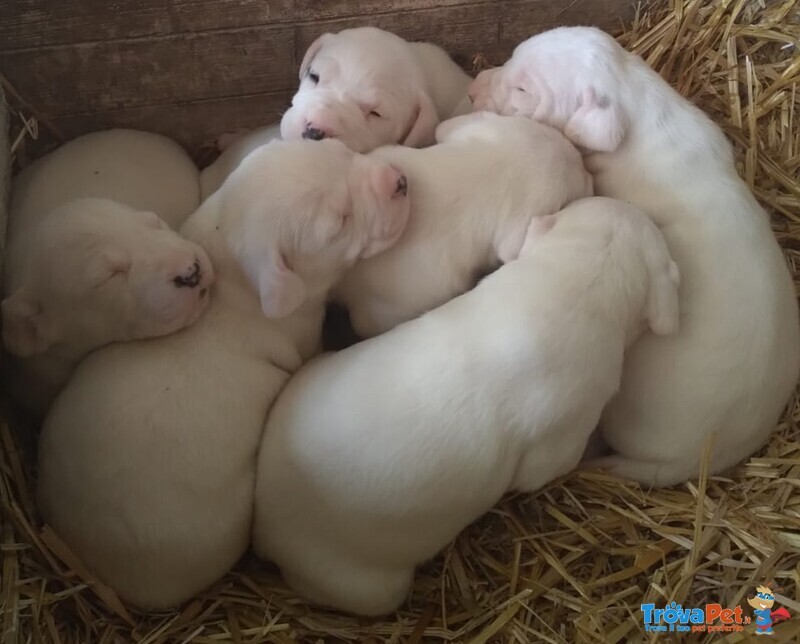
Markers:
292,125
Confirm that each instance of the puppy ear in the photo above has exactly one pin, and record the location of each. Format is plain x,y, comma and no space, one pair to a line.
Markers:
312,51
597,125
662,301
281,290
422,130
24,333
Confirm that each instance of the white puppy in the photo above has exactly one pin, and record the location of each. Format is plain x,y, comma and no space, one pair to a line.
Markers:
366,471
473,197
140,169
212,177
368,87
147,458
735,362
89,273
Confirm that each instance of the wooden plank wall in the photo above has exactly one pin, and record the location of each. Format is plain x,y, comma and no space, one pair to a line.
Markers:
193,69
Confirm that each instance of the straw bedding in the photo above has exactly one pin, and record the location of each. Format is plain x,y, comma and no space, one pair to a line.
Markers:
574,562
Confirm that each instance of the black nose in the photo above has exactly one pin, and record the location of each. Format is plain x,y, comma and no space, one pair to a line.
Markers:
313,133
402,186
192,279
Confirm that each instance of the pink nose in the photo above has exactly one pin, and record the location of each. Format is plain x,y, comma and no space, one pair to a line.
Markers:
390,182
191,277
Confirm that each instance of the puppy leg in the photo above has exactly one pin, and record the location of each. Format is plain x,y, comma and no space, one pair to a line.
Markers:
355,588
648,473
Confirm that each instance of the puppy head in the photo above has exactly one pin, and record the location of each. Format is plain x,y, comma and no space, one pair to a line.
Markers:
572,78
486,93
364,87
297,214
103,272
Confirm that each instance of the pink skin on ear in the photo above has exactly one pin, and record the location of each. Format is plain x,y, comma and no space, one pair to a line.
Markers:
386,180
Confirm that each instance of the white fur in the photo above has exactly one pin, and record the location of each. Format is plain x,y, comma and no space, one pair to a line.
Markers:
375,457
147,459
375,88
143,170
735,362
212,177
88,273
473,197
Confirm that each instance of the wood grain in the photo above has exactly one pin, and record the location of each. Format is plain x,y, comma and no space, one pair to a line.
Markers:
5,175
193,125
26,24
112,75
462,31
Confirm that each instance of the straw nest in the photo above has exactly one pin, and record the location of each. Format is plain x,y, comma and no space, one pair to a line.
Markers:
574,562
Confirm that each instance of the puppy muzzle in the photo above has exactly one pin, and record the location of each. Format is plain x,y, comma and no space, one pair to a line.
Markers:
313,134
191,279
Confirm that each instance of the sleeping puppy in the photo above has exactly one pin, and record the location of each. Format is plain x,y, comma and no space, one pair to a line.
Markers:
735,362
366,87
89,273
464,219
142,170
150,483
89,262
366,471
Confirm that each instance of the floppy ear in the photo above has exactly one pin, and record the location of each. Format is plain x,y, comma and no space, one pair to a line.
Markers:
312,51
597,125
281,290
662,301
422,130
24,332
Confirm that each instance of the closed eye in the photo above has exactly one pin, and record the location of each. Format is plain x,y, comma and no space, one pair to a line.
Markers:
313,77
376,114
345,220
106,279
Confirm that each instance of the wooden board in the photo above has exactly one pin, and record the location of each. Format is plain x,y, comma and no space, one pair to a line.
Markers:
5,175
197,68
